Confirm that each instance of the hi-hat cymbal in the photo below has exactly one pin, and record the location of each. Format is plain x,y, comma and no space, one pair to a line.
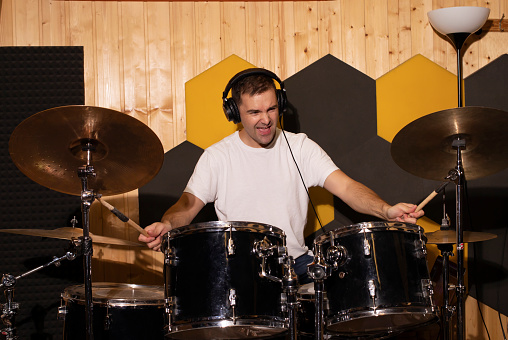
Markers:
450,237
424,146
68,233
48,148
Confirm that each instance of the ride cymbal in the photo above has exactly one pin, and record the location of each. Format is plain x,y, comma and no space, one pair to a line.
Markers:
424,146
50,146
67,233
450,237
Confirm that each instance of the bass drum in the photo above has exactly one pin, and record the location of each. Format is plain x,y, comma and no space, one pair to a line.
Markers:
120,311
384,285
224,281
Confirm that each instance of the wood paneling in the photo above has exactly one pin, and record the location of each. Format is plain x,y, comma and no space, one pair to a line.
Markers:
138,56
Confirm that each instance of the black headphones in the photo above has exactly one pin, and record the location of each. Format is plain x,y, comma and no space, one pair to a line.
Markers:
228,104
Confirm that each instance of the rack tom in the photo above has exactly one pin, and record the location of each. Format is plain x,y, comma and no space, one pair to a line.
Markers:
224,281
383,284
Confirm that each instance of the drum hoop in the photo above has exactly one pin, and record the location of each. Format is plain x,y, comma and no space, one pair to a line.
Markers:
353,314
77,293
369,227
217,226
268,322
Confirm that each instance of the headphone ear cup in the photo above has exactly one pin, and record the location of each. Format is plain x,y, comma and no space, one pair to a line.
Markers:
231,110
281,101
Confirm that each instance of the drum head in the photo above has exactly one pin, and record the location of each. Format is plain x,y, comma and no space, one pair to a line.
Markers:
370,227
385,323
225,226
117,294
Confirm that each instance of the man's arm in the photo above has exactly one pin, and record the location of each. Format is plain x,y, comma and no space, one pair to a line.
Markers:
180,214
365,201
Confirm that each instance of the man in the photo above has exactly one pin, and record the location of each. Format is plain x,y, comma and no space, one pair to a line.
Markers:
261,173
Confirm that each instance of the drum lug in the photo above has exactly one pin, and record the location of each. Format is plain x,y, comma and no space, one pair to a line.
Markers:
231,243
168,307
282,251
107,319
170,258
366,246
421,249
232,302
372,292
231,247
428,290
420,246
284,302
62,313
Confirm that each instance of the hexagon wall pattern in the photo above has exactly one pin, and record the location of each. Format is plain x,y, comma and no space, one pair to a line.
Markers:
354,118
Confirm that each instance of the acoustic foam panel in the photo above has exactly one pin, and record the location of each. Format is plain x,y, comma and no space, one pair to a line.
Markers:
33,79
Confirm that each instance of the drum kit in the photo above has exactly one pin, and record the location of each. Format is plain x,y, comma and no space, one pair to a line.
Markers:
234,280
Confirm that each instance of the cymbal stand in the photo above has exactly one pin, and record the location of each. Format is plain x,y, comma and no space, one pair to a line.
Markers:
290,287
10,308
87,198
446,252
320,269
457,175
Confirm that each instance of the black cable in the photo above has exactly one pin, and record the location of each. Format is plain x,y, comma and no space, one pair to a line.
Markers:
301,177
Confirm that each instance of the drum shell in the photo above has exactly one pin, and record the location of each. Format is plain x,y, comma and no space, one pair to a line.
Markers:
114,318
396,266
306,314
200,276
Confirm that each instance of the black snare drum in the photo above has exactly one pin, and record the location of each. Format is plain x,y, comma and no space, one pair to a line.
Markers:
224,281
120,311
383,286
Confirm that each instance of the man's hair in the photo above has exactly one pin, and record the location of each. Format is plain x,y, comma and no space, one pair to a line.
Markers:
254,84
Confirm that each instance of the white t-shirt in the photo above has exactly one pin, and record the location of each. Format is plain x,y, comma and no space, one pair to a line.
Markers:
262,184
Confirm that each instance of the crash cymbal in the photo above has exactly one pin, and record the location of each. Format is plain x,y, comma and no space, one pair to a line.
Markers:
450,237
424,146
48,148
67,233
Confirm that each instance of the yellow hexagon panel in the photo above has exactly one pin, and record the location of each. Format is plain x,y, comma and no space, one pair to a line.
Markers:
323,202
414,89
206,122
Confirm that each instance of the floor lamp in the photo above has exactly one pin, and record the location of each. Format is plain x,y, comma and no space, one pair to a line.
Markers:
458,23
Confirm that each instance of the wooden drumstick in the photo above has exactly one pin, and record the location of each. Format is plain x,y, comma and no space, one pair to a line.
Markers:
123,218
431,196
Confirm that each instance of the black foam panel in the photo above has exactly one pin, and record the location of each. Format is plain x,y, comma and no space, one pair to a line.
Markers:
33,79
164,189
335,105
486,198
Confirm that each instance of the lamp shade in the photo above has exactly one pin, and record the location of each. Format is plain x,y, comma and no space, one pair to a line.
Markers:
458,19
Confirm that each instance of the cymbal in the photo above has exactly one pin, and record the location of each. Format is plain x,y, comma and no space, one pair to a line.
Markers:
450,237
67,233
48,148
424,146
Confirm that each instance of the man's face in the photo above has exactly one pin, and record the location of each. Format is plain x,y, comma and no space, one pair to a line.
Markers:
259,114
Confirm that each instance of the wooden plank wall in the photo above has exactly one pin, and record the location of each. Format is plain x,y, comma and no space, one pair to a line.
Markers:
138,56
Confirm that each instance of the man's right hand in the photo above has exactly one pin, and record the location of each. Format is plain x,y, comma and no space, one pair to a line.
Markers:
155,231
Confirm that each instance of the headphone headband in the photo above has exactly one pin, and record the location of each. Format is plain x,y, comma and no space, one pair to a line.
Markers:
250,72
